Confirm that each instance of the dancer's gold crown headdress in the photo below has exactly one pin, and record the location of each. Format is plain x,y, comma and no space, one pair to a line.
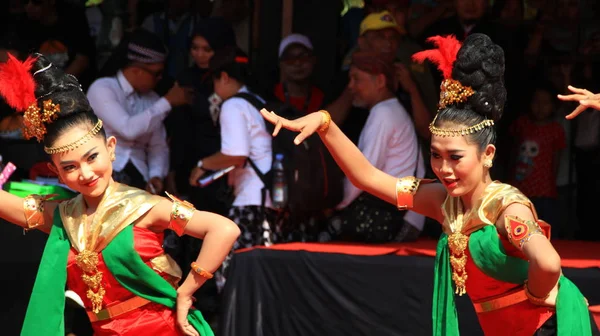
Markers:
451,90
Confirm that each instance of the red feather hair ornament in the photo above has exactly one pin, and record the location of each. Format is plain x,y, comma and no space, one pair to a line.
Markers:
443,56
16,83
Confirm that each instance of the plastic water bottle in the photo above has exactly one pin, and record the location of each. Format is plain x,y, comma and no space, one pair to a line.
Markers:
279,193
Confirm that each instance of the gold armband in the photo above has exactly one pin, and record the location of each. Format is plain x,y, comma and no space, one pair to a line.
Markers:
181,213
520,231
325,121
201,271
406,188
33,206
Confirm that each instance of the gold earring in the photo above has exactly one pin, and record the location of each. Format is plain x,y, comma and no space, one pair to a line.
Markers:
112,157
488,163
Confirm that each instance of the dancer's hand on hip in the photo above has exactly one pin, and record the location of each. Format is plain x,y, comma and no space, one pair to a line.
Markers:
306,125
184,303
585,98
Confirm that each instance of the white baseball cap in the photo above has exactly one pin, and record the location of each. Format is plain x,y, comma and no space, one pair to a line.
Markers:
294,39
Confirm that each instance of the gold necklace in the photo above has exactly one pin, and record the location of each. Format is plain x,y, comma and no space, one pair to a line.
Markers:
88,261
458,242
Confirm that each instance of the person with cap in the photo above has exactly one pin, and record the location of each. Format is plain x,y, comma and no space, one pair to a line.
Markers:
134,114
388,140
379,32
296,64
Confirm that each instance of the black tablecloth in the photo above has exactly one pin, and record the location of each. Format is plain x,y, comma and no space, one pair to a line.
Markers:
299,293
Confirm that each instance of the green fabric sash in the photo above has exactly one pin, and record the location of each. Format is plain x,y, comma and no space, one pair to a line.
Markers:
488,254
45,313
126,265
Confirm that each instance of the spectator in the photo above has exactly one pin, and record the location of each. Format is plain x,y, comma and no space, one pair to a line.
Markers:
539,141
296,62
389,142
244,137
60,32
134,114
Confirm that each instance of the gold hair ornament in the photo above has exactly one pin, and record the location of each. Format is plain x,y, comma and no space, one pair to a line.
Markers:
34,121
459,132
453,92
77,143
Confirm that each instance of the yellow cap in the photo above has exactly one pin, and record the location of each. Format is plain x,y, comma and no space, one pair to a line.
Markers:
379,21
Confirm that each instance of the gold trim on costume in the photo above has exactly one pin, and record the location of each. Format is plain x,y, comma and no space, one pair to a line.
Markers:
33,206
459,225
501,302
34,121
120,206
406,188
77,143
520,231
181,214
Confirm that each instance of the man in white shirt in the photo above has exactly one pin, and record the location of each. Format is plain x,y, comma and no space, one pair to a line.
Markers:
134,113
388,140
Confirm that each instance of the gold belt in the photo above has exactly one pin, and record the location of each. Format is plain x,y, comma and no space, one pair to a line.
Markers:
118,309
501,302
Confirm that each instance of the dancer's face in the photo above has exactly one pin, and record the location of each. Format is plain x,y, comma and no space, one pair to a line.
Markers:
458,164
88,168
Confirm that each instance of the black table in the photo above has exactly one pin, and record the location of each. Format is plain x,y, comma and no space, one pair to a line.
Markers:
299,293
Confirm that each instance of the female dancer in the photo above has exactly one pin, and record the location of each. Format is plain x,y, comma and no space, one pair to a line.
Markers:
106,243
494,247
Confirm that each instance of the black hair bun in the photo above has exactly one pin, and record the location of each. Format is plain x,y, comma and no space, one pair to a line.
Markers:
52,83
480,65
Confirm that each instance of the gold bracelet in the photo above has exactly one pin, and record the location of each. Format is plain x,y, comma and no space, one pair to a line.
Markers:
33,207
181,214
326,121
201,271
540,301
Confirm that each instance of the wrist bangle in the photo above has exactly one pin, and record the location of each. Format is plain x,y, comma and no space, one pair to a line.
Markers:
201,271
325,121
540,301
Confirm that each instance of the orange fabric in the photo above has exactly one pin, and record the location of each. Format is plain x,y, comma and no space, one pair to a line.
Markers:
576,254
152,316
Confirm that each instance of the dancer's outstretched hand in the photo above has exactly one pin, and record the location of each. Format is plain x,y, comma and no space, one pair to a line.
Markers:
306,125
585,98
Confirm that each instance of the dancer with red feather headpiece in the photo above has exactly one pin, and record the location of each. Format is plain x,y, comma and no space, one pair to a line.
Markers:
494,247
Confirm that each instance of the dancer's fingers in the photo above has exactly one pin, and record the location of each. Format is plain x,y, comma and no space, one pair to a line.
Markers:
577,111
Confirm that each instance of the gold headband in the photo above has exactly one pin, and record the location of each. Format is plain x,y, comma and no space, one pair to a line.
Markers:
77,143
452,92
459,132
34,121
